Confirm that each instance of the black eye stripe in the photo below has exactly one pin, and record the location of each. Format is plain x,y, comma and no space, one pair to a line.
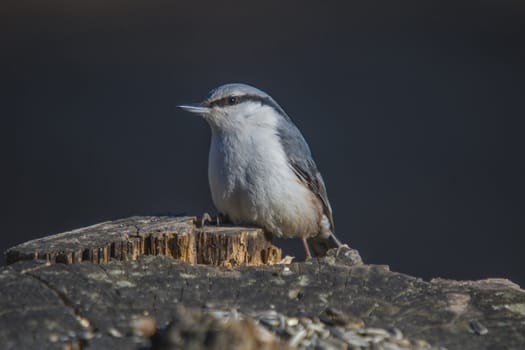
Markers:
265,101
234,100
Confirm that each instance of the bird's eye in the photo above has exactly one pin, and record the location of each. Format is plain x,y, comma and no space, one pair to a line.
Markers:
232,100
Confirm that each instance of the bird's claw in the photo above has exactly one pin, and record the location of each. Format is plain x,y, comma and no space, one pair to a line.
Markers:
207,219
342,246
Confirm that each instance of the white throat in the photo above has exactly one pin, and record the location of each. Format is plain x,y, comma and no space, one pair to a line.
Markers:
243,119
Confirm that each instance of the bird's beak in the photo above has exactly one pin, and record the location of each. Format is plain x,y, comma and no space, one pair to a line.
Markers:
196,108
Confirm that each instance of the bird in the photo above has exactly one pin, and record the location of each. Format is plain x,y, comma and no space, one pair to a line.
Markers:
260,168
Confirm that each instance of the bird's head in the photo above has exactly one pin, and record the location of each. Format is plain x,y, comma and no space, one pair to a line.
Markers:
233,107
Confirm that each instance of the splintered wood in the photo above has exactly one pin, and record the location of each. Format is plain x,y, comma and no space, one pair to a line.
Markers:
177,237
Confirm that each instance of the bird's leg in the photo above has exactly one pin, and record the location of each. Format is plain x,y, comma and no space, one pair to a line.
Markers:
306,249
339,244
205,218
218,219
222,219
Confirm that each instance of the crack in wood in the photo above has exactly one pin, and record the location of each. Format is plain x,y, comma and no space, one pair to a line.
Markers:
83,321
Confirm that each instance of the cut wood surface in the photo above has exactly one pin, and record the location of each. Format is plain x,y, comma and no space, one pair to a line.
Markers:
109,293
177,237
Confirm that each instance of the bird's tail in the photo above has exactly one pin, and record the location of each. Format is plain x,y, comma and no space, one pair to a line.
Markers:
322,243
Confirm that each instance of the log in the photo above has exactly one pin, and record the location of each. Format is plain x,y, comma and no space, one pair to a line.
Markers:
143,298
128,239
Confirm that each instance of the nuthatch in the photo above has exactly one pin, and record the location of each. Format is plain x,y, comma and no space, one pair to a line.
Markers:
260,168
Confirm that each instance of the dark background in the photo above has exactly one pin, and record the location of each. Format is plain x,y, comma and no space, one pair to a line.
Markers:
414,113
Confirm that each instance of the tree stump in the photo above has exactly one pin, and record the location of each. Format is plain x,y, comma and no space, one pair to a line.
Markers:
128,239
116,285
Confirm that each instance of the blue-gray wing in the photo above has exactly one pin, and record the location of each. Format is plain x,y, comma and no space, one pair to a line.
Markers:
302,163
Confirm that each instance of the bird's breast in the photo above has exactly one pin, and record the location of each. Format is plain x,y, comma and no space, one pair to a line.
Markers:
252,182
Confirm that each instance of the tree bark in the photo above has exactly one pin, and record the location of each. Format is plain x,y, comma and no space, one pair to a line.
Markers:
117,285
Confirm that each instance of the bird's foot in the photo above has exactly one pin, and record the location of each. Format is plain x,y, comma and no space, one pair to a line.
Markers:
204,219
346,254
222,219
342,247
207,219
